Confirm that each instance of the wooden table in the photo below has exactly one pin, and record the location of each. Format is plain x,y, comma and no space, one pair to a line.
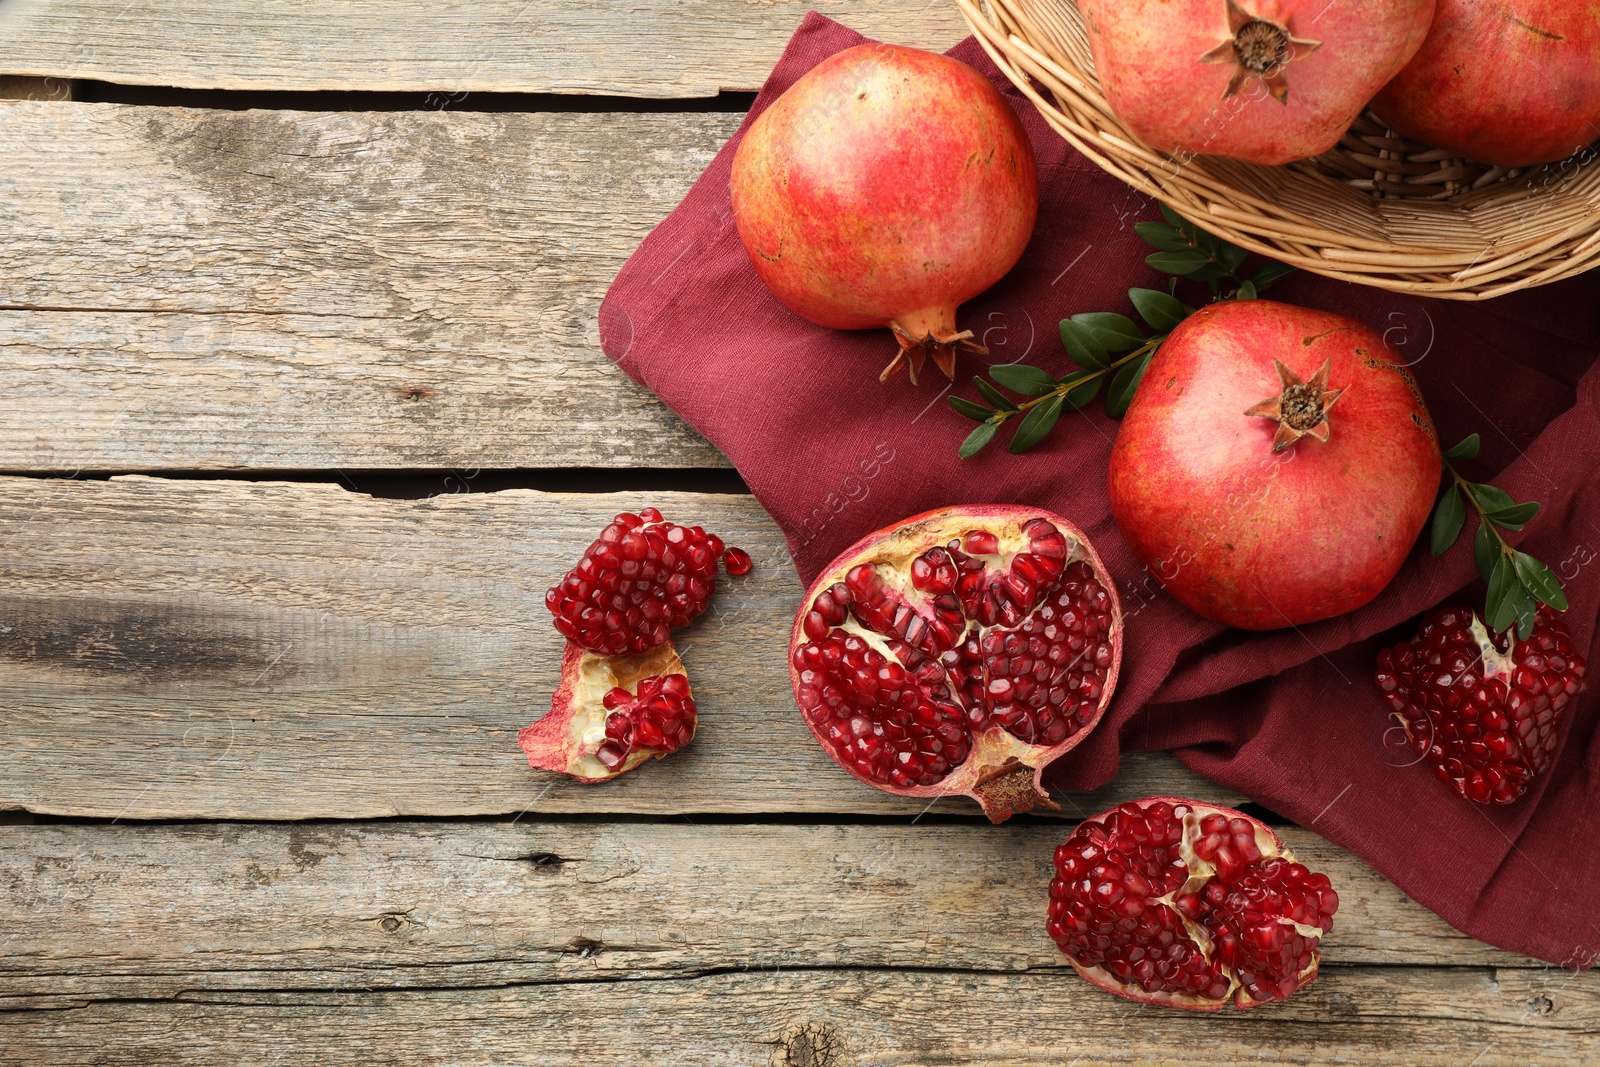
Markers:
260,687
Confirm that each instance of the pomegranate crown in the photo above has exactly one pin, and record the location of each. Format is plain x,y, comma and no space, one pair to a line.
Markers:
1259,47
1301,410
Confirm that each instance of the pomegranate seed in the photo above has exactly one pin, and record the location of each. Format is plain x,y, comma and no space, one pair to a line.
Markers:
659,716
1487,719
737,560
1107,909
641,578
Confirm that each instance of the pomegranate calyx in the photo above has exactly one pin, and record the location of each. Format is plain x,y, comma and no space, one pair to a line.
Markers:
940,345
1258,48
1301,409
1008,789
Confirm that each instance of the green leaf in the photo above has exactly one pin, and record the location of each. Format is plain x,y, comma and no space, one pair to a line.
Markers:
1160,235
1485,549
1125,384
1270,273
1526,614
1467,449
1186,262
971,409
1023,378
1084,348
1179,223
1515,517
1539,581
1448,518
1232,255
981,435
1505,595
1086,392
1116,333
1247,291
994,396
1208,273
1491,497
1161,311
1038,422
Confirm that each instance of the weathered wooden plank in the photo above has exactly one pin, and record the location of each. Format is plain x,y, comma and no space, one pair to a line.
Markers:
183,649
280,290
656,48
96,912
1426,1017
13,88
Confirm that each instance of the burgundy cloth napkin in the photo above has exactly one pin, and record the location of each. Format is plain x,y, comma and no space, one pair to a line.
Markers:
1292,718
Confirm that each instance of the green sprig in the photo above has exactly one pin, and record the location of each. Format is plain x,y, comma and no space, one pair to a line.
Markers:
1111,351
1517,582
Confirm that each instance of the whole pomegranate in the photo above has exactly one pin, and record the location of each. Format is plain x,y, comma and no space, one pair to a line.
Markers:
958,653
885,187
1485,713
1509,82
1275,466
1187,904
1265,81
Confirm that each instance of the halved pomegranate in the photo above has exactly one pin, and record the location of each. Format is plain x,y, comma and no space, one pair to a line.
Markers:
959,653
611,713
1187,904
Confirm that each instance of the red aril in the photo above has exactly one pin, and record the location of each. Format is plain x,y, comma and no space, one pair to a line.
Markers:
1275,466
1484,712
1189,905
883,188
642,578
1265,81
611,713
958,653
1508,82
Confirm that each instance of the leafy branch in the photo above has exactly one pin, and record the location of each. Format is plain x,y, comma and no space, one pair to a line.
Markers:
1108,346
1517,582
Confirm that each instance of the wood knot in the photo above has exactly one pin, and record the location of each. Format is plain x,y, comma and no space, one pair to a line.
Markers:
1541,1005
546,862
811,1045
586,948
390,924
416,392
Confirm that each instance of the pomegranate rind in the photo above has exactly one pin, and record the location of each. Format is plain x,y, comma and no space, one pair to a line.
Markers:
1270,846
1002,773
566,739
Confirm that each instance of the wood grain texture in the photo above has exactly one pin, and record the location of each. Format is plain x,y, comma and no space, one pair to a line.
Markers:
1418,1016
213,649
157,911
654,48
281,290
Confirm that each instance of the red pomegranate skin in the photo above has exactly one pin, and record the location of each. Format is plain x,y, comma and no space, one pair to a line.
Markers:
1253,538
885,186
1147,56
1509,82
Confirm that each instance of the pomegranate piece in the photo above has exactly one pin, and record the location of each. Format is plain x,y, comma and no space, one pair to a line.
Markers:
641,579
611,713
1264,81
1485,713
1276,467
959,653
853,229
1177,902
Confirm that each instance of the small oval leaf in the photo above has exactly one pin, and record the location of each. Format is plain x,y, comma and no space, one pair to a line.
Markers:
994,396
1085,392
1023,378
1448,518
1125,384
1161,311
1491,498
971,409
1036,424
1515,517
1082,345
1505,593
1185,262
1485,549
1247,291
1116,333
1271,273
1160,235
1539,580
981,435
1467,449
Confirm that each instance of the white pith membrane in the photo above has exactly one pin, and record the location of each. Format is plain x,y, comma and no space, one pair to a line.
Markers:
1201,872
994,752
591,680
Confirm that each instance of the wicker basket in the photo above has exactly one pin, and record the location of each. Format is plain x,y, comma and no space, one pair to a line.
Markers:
1377,209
